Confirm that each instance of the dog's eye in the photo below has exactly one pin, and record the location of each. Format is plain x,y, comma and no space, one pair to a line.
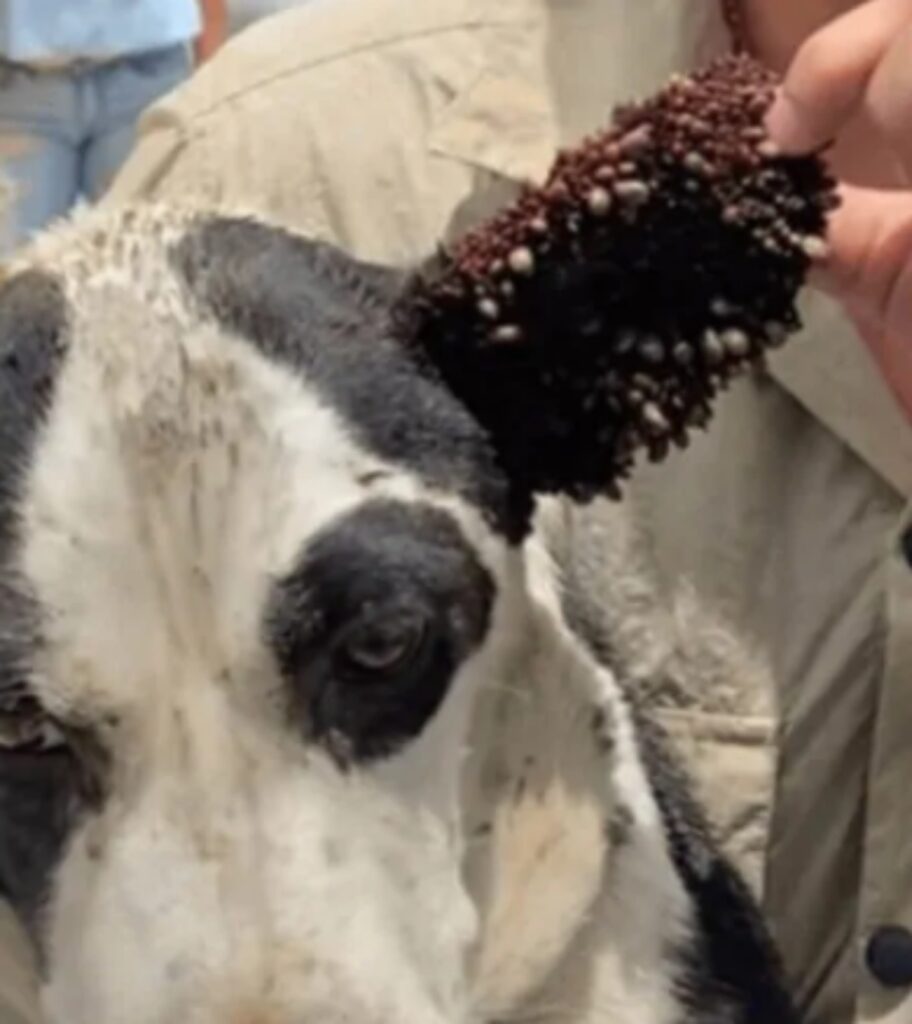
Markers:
25,727
382,646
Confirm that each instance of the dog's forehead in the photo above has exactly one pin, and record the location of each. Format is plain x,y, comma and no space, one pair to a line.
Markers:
157,409
143,286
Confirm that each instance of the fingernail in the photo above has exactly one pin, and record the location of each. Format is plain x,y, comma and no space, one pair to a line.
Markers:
785,126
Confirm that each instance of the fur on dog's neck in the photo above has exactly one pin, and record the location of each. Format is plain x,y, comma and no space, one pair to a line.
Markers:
558,811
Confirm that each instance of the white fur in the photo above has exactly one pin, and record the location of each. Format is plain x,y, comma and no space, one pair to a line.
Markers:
574,929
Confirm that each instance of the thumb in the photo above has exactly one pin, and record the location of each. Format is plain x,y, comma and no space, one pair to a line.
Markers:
832,71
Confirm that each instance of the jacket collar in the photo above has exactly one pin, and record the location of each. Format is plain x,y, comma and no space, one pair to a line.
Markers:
506,121
514,117
537,91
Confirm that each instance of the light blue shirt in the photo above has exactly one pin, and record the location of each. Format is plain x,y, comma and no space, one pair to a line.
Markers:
49,30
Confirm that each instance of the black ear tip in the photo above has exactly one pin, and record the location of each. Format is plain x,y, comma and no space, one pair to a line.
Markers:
600,314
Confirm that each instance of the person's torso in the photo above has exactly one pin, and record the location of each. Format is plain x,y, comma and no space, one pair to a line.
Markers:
57,31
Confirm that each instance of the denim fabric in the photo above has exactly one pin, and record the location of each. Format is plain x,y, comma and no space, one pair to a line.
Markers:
39,30
65,133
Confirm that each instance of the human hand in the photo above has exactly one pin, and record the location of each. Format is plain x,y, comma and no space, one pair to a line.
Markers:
862,61
215,29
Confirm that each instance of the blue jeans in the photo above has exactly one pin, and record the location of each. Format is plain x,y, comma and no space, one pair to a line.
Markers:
64,133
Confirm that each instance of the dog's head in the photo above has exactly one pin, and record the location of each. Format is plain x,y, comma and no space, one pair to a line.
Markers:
256,565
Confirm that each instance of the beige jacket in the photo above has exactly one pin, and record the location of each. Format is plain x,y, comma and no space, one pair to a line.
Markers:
388,125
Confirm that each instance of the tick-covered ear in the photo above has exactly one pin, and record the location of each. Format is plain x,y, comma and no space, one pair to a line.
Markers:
600,314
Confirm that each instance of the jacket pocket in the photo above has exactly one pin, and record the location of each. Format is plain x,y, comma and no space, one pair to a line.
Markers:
731,762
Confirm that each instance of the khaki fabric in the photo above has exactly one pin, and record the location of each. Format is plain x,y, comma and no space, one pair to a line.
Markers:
388,125
18,993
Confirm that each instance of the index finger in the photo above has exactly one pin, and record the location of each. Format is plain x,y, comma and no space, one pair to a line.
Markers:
830,73
869,266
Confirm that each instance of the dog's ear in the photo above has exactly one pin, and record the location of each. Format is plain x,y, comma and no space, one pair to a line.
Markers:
601,313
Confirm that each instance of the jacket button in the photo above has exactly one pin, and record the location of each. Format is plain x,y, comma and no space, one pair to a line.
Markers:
889,956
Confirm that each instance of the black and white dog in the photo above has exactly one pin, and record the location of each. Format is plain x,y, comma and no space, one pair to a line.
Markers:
296,731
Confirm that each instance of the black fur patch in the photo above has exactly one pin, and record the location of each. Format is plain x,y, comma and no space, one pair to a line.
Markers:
40,801
325,315
32,329
37,789
379,567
